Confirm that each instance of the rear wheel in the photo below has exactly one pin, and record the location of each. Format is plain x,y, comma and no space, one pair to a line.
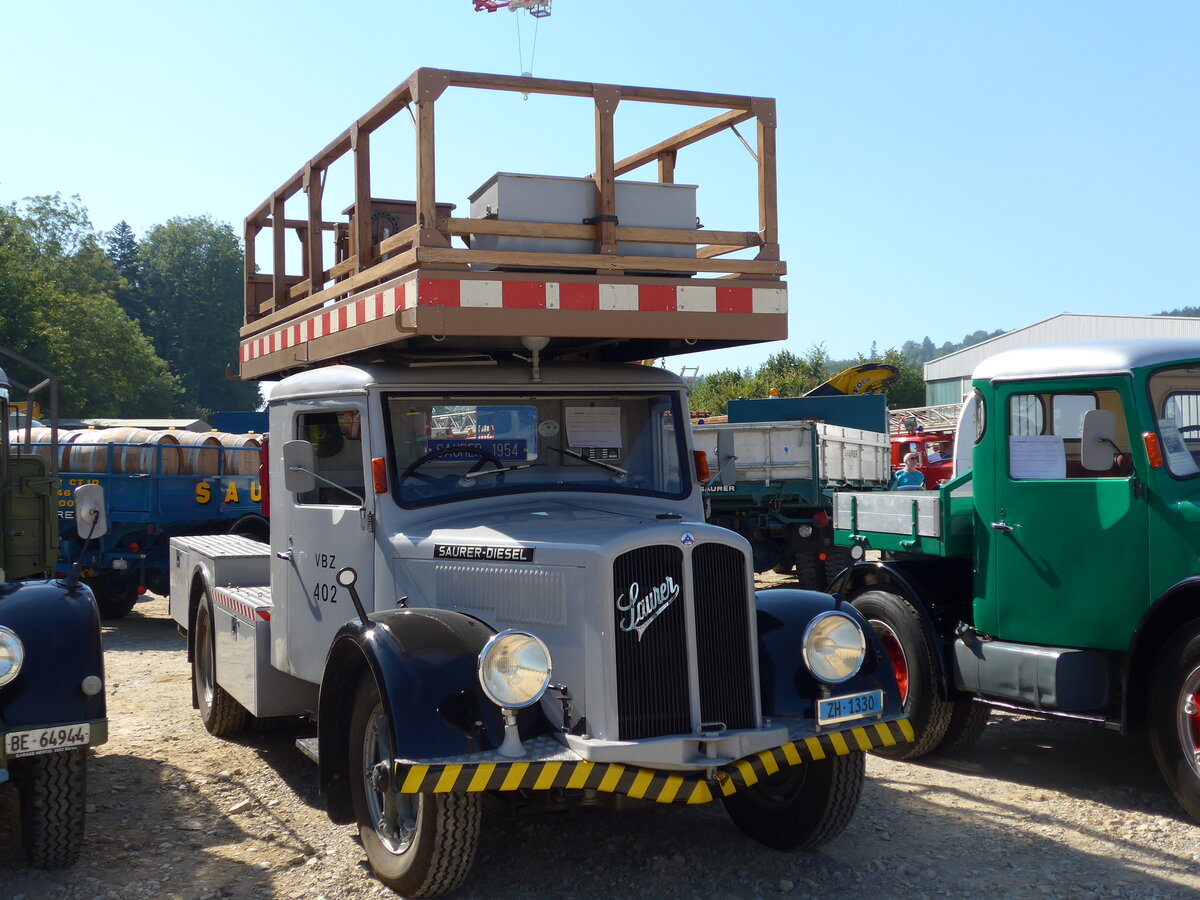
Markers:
222,715
114,596
419,845
898,625
836,559
802,807
53,800
810,571
967,721
1175,717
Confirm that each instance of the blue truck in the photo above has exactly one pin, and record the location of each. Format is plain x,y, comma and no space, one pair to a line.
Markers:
52,704
153,492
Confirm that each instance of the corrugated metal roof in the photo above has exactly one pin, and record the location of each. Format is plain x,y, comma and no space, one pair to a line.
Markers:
1059,329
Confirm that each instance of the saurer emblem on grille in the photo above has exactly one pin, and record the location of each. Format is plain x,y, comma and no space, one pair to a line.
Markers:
642,609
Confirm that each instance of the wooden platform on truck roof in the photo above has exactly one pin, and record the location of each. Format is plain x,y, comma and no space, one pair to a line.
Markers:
405,292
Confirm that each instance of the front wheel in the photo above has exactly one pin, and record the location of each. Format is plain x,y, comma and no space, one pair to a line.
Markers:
419,845
53,792
222,715
898,625
1175,717
802,807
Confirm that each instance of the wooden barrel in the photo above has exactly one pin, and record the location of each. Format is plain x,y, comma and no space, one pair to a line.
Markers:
135,451
40,438
201,452
241,452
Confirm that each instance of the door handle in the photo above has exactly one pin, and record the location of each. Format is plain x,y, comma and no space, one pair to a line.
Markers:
1002,526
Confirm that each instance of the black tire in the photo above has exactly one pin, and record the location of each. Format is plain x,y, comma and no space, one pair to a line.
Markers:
222,715
967,721
810,573
801,807
898,625
114,598
1175,716
431,844
53,800
783,568
116,604
836,559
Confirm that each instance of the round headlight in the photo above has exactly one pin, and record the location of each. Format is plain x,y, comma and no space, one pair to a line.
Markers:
12,654
834,647
514,669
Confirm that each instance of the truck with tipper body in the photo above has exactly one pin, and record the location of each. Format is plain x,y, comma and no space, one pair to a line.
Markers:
488,572
777,465
1058,572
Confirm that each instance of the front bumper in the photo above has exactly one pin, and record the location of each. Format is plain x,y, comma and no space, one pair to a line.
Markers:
548,765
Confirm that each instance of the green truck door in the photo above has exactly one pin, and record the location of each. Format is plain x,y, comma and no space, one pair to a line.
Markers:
1068,545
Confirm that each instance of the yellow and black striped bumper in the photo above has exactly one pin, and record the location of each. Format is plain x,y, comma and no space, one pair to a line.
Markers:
658,785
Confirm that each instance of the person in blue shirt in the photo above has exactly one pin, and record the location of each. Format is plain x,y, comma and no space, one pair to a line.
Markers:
908,478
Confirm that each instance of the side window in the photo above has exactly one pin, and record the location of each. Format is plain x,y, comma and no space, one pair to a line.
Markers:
1045,430
336,438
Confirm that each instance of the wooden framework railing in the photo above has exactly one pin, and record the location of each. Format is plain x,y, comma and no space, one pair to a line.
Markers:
274,298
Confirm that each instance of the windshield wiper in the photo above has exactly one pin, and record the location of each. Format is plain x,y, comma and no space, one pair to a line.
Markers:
500,471
595,462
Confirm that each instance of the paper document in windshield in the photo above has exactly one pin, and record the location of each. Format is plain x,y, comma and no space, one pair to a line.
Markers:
1036,456
1178,456
594,426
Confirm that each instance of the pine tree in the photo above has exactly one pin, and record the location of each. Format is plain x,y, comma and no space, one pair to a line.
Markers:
122,248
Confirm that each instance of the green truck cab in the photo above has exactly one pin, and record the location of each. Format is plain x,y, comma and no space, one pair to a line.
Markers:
1058,572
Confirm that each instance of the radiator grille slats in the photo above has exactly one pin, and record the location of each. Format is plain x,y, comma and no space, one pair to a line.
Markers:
653,696
723,636
652,671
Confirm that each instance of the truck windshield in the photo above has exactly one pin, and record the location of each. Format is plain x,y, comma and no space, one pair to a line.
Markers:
454,447
1175,397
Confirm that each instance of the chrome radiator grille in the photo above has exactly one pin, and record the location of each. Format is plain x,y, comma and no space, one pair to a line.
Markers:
653,646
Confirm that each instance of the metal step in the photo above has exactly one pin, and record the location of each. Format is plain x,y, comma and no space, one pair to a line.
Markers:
309,747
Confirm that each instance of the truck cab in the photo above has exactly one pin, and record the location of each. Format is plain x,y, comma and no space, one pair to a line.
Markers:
1058,573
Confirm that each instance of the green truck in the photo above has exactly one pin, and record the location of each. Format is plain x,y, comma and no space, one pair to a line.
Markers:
1058,571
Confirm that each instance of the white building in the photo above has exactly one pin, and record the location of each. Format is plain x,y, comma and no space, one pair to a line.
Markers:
949,377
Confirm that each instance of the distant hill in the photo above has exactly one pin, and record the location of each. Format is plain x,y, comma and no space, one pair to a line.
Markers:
1193,311
916,354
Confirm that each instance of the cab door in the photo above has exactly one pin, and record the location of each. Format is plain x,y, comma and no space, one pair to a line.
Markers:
1068,546
316,533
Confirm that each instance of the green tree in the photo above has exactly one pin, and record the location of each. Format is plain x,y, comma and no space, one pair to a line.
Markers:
53,311
192,289
122,249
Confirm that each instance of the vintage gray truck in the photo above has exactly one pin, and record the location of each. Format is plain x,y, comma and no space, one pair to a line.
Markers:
489,571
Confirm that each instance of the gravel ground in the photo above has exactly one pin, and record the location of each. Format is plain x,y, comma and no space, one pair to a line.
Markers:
1038,809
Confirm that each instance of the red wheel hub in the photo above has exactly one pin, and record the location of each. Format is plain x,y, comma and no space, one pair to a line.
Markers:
895,655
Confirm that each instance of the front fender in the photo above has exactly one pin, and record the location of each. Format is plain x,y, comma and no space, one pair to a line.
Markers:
424,662
60,629
789,689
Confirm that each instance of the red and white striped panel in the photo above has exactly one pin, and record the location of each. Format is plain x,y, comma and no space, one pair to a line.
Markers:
517,295
231,603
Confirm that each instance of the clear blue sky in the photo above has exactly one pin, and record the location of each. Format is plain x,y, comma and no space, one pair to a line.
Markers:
944,166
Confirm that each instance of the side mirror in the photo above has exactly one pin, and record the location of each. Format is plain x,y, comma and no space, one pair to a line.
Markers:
91,521
726,470
298,464
1098,442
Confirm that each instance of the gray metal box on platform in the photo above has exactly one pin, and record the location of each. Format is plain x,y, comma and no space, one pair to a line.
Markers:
568,201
